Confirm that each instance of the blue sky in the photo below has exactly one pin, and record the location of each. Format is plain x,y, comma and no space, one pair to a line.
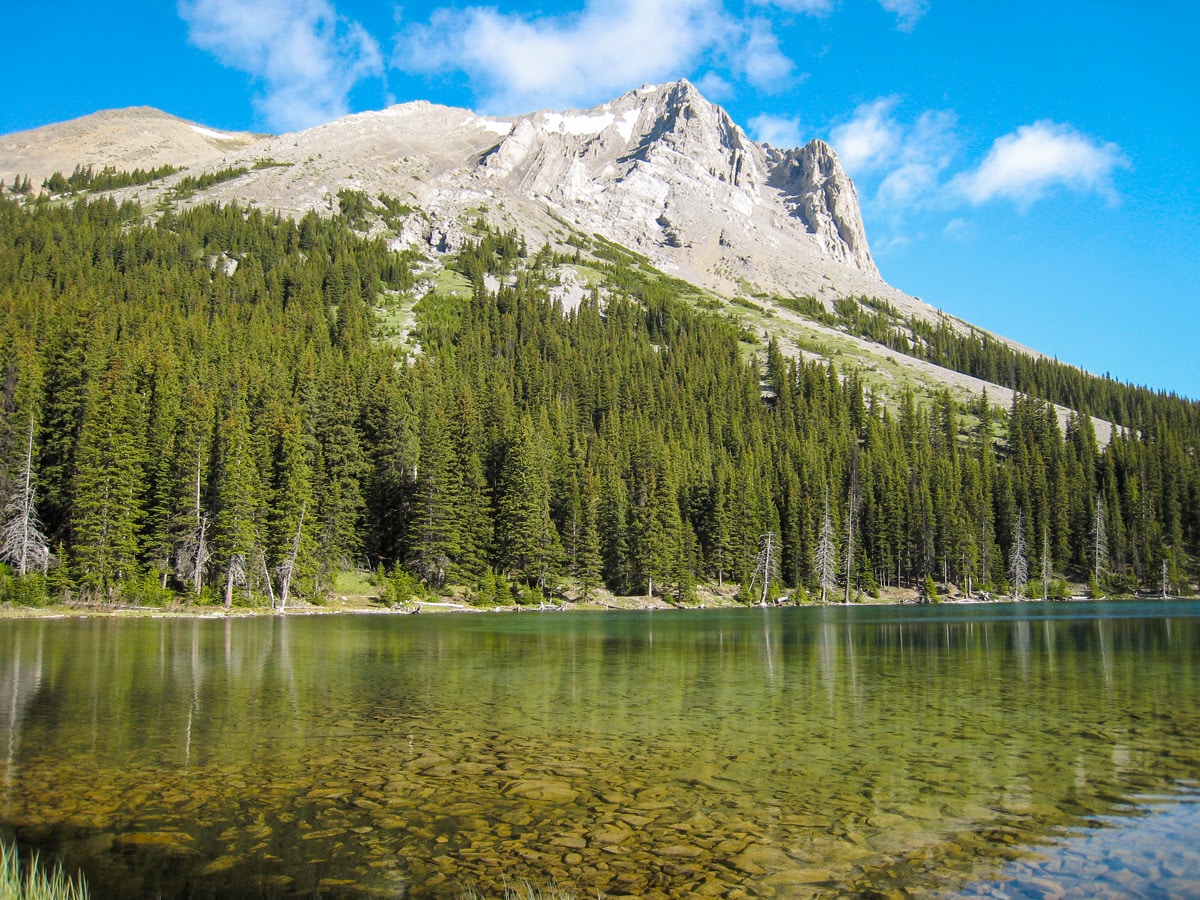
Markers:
1031,167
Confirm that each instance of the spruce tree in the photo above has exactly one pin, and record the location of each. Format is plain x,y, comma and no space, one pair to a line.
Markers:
106,494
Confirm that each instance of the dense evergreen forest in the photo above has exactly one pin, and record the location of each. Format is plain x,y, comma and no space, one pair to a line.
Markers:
210,404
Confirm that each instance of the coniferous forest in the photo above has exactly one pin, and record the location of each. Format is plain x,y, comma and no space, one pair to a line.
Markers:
212,404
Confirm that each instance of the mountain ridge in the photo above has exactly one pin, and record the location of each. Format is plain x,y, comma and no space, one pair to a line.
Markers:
659,170
129,137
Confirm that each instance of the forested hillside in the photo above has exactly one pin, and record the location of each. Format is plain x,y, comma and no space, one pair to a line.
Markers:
210,405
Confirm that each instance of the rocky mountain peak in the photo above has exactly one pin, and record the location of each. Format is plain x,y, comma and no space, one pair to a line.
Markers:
817,190
666,171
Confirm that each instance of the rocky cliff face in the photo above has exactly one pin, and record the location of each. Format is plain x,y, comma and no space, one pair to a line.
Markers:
671,174
818,191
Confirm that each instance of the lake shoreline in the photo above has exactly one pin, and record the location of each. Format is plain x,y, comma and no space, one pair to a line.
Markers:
350,608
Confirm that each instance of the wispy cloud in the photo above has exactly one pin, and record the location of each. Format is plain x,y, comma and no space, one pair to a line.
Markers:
306,56
714,87
519,63
778,131
808,7
764,64
1024,165
870,139
925,150
908,12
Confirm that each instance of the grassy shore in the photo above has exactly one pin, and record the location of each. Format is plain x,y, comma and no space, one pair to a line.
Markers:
33,881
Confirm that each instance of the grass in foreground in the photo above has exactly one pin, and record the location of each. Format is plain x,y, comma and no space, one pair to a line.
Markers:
35,883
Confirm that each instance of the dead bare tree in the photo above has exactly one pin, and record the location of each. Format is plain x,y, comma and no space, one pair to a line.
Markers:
289,565
262,563
851,512
193,553
235,574
766,566
1018,562
1100,539
1045,563
826,553
22,542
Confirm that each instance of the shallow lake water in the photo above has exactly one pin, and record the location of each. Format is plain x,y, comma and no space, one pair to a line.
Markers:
1025,750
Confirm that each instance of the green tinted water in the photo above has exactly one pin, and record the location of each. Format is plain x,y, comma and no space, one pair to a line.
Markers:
787,753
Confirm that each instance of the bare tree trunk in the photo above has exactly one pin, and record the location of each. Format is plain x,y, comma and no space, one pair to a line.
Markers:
1018,565
1100,535
262,558
285,579
201,556
21,540
1045,563
768,549
26,502
235,574
825,555
201,528
854,501
229,588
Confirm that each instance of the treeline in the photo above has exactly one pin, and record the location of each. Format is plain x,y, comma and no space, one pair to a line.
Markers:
201,406
107,179
982,356
187,186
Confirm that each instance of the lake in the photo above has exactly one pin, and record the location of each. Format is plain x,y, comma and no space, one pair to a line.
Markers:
989,750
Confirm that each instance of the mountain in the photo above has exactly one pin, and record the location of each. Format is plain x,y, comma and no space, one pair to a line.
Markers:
576,373
659,170
137,137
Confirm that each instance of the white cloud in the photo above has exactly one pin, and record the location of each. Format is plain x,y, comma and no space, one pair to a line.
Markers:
778,131
307,56
959,229
518,63
1024,165
923,152
761,59
907,11
870,139
714,87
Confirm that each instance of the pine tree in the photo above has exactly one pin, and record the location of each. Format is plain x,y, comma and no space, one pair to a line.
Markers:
436,545
588,562
107,505
526,540
238,499
292,545
341,474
